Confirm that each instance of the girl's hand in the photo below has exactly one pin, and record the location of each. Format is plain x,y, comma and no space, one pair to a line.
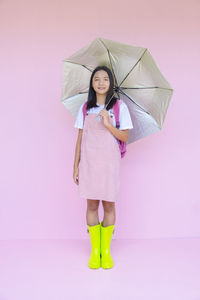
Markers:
75,176
104,113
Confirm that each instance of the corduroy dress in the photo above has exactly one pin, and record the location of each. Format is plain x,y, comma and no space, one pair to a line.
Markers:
100,159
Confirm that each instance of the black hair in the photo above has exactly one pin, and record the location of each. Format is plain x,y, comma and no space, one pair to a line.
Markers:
91,102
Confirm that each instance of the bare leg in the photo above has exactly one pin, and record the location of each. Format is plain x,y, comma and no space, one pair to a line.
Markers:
92,212
109,213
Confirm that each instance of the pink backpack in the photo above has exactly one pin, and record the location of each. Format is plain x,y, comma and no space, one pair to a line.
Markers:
122,145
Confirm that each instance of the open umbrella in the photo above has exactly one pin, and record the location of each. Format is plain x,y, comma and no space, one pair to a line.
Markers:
138,82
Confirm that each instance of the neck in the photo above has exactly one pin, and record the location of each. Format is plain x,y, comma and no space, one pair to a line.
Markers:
101,99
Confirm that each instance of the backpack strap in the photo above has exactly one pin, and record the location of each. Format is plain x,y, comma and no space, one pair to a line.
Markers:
116,109
84,110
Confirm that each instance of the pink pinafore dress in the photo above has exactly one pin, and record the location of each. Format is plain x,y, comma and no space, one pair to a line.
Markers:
100,158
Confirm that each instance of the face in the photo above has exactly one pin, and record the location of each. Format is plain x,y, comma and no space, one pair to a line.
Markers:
101,82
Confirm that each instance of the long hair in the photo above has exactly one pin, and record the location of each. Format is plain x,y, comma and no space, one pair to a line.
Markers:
91,102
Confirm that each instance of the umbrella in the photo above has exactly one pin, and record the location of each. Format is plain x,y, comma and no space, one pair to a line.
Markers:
137,79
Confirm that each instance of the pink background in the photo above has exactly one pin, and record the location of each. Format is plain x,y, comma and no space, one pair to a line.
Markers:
160,174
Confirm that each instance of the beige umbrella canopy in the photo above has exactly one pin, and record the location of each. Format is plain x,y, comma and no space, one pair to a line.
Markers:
138,82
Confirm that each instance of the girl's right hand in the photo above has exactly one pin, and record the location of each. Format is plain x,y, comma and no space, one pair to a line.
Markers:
75,175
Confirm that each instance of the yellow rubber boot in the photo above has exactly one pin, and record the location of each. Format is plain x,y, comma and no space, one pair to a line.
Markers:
106,237
94,260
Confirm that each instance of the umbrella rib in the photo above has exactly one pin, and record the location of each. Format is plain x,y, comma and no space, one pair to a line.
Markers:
133,66
71,62
138,105
143,88
120,91
74,95
112,67
109,60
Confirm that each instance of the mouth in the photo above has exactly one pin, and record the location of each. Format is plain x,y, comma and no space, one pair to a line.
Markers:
101,88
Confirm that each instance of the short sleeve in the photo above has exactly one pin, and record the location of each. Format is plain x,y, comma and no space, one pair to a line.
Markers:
124,117
79,118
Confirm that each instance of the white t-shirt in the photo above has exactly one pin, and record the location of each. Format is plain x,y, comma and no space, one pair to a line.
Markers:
124,116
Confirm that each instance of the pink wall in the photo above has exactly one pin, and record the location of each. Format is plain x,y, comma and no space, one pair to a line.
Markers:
160,174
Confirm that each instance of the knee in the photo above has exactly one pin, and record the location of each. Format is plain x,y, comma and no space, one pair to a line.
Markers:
92,205
109,207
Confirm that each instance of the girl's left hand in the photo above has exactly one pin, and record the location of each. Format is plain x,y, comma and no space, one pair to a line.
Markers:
105,115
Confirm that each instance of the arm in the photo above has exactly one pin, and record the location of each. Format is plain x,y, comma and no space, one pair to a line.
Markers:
77,156
122,135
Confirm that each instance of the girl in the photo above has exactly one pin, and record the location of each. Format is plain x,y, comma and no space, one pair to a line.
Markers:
97,161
